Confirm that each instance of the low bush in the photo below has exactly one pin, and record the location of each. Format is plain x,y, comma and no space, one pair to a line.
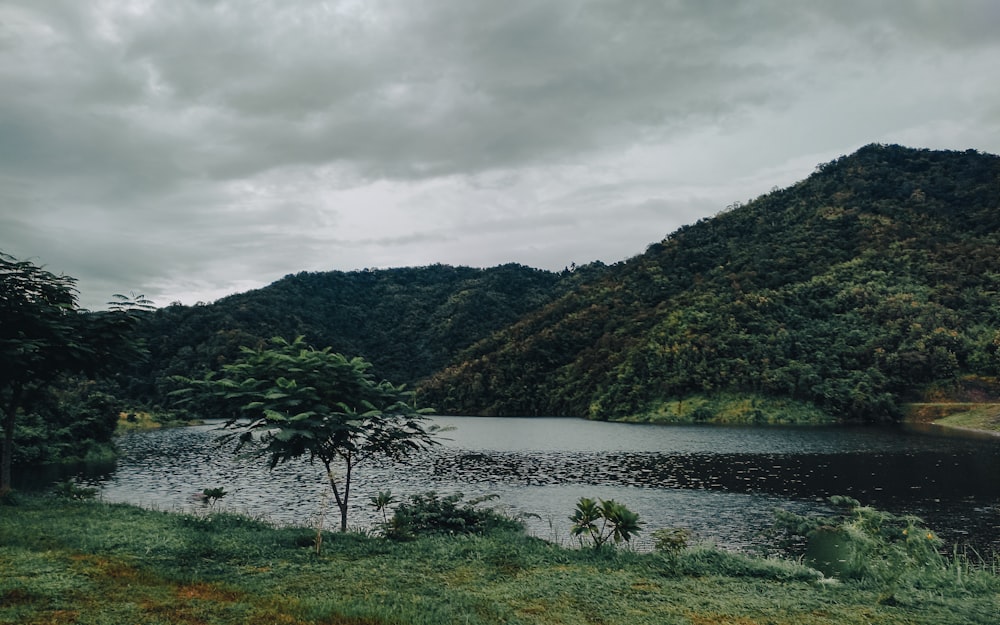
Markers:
428,513
671,539
69,489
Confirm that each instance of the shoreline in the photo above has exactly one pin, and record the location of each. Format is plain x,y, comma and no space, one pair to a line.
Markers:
980,418
960,428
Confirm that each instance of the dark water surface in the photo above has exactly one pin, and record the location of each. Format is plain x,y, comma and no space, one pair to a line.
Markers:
720,482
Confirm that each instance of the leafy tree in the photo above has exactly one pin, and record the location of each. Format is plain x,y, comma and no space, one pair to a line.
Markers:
289,401
72,419
43,335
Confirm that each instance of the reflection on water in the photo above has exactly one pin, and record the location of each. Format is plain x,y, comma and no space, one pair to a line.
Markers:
721,482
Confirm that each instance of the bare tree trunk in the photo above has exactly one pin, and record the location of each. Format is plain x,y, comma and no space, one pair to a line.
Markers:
347,492
341,499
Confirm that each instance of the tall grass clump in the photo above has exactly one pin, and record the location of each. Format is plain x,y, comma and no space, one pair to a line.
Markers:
896,554
862,543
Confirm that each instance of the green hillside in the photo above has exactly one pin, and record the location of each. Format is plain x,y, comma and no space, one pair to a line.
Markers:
872,281
407,322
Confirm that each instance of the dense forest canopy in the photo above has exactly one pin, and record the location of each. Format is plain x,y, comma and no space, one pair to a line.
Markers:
873,280
408,322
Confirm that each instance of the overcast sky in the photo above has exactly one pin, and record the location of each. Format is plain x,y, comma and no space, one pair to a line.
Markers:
188,149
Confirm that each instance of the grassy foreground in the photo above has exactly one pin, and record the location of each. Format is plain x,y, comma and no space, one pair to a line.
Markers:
64,561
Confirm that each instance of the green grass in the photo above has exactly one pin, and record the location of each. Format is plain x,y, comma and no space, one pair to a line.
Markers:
983,417
89,562
143,420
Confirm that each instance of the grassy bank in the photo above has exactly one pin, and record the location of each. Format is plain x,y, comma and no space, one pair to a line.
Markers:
734,409
65,561
980,417
729,409
143,420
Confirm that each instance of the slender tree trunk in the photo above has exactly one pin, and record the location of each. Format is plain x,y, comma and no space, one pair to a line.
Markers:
340,498
347,492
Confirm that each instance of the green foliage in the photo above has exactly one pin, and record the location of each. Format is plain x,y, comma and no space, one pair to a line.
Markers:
291,401
44,337
10,498
381,503
71,420
863,543
429,513
68,489
212,495
604,520
407,322
671,539
731,408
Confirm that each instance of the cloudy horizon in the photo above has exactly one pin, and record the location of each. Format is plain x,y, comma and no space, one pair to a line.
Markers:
189,149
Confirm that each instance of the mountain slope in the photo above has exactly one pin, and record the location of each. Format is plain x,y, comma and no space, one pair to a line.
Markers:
874,278
408,322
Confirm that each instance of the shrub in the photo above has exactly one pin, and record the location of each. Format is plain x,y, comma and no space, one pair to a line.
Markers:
69,489
671,539
427,513
211,495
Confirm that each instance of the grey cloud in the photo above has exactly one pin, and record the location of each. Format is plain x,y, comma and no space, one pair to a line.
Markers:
434,88
212,139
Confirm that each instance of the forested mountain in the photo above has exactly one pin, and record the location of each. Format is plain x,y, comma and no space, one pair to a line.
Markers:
873,280
407,322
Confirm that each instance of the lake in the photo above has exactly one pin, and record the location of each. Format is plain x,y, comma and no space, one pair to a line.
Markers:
720,482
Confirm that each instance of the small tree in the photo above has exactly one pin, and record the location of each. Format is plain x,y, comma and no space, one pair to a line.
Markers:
289,401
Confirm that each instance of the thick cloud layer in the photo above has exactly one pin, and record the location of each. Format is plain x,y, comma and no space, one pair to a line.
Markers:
190,148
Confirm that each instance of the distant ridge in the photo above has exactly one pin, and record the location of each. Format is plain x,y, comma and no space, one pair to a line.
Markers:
408,322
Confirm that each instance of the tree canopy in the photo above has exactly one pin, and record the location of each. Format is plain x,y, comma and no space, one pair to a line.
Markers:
43,335
288,400
407,322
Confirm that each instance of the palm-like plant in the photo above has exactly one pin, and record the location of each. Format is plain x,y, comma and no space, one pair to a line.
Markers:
604,520
381,503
